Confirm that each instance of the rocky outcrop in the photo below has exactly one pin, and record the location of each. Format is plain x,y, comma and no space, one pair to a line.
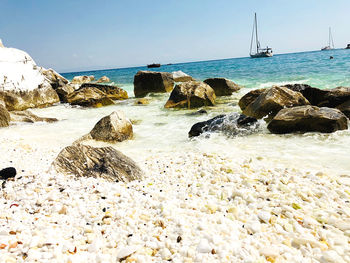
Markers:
222,86
232,125
308,119
345,108
82,79
4,117
23,84
152,82
89,97
112,92
27,116
314,95
112,128
191,94
180,76
103,79
271,101
249,98
105,162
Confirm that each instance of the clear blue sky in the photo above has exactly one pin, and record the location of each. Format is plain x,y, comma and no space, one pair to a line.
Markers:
70,35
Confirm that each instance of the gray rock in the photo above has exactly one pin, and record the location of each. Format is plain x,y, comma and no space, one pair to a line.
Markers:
112,128
308,119
105,162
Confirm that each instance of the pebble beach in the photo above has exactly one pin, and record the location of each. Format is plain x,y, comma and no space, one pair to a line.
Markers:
246,197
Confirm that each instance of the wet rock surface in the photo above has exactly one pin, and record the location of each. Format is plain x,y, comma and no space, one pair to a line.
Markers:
4,117
232,124
89,97
308,119
113,92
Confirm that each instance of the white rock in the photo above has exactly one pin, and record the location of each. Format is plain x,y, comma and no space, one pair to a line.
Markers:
126,251
203,246
264,216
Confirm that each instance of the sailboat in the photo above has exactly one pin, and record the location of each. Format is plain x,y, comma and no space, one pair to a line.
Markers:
257,52
330,40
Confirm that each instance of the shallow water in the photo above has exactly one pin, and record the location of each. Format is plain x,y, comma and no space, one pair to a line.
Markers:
162,130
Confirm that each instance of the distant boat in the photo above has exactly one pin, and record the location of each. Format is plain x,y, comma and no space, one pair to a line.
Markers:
348,46
153,65
330,41
259,52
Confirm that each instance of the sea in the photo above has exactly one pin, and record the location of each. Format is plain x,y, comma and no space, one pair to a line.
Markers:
158,130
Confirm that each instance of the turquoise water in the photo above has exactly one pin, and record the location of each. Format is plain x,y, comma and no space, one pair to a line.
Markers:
314,68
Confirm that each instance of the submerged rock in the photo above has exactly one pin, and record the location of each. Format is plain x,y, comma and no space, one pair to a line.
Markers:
113,128
148,81
27,116
113,92
89,97
308,119
103,79
271,101
191,94
82,79
142,101
4,117
232,124
249,98
105,162
222,86
23,84
180,76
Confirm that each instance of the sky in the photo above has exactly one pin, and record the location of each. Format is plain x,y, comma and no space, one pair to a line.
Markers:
77,35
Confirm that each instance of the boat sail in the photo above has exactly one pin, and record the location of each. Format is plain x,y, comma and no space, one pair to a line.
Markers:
330,41
259,52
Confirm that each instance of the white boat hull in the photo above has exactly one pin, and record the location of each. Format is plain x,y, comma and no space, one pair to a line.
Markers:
261,55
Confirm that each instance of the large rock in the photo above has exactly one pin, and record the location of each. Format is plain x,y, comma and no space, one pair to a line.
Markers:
55,79
314,95
232,124
82,79
308,119
4,117
112,128
345,108
335,97
222,86
180,76
105,162
103,79
112,92
148,81
249,98
191,94
271,101
23,84
27,116
89,97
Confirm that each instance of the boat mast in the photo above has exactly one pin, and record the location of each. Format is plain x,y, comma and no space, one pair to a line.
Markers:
251,41
256,32
331,38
